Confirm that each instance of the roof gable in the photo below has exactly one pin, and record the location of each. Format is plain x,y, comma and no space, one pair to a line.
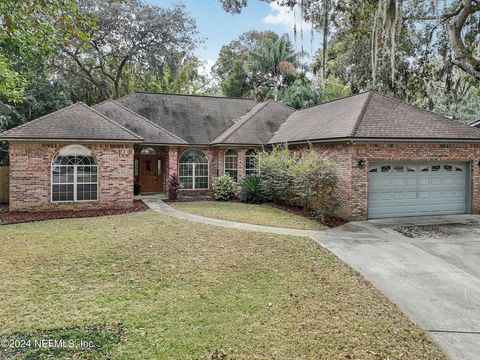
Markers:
149,131
77,121
257,126
195,119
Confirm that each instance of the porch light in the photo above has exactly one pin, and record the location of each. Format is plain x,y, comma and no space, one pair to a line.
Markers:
361,163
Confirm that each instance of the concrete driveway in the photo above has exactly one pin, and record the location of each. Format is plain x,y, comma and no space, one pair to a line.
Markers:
428,266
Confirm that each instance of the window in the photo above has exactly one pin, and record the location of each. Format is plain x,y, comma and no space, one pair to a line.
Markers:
231,164
193,170
386,168
74,175
148,151
251,163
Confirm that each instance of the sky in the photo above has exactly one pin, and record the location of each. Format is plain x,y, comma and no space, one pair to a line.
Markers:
219,27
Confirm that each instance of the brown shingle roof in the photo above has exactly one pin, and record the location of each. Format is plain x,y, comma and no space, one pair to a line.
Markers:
150,132
196,119
370,115
78,121
257,126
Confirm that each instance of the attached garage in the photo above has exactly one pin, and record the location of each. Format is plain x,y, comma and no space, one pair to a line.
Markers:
399,189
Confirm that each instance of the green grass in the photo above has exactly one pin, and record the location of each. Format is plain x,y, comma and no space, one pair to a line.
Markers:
179,290
248,213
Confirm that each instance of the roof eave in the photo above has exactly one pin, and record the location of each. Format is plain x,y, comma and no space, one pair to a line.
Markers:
65,140
379,140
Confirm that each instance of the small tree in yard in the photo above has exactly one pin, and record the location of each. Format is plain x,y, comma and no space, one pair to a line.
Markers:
223,187
173,186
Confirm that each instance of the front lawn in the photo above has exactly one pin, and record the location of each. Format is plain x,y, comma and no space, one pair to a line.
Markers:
247,213
145,285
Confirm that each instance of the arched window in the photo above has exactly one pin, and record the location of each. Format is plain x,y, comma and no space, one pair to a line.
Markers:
251,162
231,163
74,175
193,170
148,151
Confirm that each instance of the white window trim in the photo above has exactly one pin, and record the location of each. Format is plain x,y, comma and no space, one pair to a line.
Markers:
225,169
75,183
193,177
256,169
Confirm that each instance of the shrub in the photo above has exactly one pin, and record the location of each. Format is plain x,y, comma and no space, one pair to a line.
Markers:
223,187
276,173
299,179
313,181
251,190
173,186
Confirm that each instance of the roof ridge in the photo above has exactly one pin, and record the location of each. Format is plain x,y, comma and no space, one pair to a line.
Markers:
188,95
112,121
334,100
362,113
440,117
142,117
240,122
282,104
43,116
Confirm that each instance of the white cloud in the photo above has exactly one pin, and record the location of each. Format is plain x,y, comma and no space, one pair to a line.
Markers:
283,15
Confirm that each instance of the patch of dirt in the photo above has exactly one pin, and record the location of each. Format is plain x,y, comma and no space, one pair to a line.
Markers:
331,222
22,217
87,342
433,231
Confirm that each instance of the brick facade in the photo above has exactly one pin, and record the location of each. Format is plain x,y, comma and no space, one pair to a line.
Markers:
30,177
216,159
353,186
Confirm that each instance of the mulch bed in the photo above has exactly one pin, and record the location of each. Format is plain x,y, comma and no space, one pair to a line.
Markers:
22,217
331,221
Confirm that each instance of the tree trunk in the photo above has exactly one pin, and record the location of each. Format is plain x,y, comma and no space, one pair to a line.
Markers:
325,44
461,57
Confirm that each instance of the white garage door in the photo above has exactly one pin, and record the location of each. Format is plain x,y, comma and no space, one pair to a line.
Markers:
416,189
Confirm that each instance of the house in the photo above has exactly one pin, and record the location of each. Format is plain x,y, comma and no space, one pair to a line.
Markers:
393,159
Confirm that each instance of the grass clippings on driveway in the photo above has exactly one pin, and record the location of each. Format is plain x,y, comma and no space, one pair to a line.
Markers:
248,213
184,290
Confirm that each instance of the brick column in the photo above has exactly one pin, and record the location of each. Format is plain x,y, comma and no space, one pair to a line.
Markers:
241,163
172,160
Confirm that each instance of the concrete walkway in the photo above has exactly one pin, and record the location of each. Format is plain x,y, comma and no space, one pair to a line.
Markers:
156,204
434,280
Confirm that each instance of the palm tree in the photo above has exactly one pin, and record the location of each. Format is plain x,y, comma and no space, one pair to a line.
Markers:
272,61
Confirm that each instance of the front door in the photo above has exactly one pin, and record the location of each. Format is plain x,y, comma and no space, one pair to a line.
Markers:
151,173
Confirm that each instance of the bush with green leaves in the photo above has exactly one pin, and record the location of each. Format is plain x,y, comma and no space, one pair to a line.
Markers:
223,187
276,173
303,179
251,190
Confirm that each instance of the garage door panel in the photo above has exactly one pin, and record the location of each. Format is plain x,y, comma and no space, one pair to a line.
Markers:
433,188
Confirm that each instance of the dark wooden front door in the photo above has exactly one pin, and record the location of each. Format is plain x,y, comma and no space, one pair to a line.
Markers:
151,173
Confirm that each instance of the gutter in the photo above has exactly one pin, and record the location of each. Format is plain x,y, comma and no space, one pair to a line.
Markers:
66,140
349,140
